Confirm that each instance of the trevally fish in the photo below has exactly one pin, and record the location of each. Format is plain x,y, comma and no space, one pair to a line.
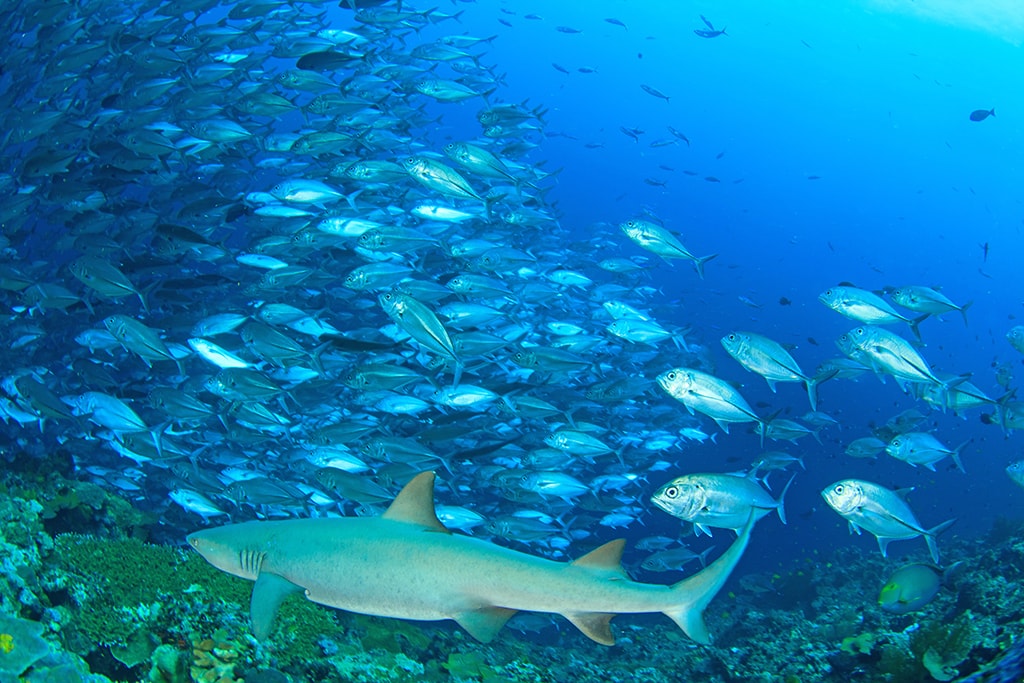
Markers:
865,307
921,448
725,501
706,394
769,359
891,354
927,300
660,241
881,512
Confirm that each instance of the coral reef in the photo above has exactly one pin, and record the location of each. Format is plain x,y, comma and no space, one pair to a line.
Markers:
20,645
141,612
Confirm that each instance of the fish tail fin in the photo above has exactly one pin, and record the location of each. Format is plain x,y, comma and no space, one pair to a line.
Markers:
703,557
351,198
956,455
700,261
781,509
930,535
812,391
963,311
692,595
915,322
1000,407
951,383
812,385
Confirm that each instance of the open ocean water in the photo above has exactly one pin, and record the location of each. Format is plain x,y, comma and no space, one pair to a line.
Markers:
269,260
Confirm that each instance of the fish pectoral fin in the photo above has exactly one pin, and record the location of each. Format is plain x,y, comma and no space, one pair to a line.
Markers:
267,595
484,623
594,625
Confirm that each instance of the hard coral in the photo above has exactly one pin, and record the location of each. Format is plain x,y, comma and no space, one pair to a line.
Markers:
215,661
23,645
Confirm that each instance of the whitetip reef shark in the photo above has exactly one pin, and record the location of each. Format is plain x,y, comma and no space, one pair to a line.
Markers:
406,564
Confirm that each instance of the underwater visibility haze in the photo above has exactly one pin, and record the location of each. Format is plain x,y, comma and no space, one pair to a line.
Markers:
386,340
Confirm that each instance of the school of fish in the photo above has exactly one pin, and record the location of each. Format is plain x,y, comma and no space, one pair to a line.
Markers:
252,271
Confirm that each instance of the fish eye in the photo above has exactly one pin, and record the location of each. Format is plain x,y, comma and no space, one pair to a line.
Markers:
839,490
671,375
828,292
672,492
732,337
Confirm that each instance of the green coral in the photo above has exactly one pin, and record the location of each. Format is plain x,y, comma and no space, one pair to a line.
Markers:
118,589
858,645
466,665
393,635
933,650
23,545
365,667
948,644
78,506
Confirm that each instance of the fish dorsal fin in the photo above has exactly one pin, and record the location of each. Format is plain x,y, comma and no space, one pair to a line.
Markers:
414,504
594,625
607,557
484,623
904,493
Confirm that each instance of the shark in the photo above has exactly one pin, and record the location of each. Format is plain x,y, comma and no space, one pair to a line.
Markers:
406,564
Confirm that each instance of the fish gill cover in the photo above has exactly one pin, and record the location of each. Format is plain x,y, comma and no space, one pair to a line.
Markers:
266,260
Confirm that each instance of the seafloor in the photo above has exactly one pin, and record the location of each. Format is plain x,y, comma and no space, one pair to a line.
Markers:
84,597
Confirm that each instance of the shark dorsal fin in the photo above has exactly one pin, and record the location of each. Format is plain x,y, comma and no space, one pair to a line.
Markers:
607,557
414,504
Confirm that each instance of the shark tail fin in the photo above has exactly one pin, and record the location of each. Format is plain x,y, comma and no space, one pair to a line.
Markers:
696,592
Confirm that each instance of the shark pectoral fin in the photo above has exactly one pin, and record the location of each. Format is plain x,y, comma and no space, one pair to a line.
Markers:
414,504
692,595
484,623
594,625
267,595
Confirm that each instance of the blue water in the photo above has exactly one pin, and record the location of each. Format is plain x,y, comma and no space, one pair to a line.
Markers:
872,99
828,143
